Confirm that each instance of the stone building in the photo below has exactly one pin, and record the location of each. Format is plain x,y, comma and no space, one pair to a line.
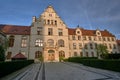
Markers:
3,39
118,43
49,37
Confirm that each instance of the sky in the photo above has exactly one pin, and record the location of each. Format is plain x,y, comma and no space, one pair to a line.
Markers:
89,14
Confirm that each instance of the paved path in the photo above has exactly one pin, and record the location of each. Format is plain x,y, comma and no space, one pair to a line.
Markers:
62,71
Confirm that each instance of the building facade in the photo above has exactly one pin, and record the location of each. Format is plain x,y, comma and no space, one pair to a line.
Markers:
3,39
50,38
118,43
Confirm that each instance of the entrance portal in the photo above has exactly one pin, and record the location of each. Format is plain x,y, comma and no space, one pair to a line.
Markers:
51,55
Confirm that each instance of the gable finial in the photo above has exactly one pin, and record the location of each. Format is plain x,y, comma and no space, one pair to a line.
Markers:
78,26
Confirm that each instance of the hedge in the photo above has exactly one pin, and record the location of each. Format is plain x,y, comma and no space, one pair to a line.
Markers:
12,66
113,65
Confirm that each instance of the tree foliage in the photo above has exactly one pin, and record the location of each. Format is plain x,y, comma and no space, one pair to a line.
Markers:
102,50
2,53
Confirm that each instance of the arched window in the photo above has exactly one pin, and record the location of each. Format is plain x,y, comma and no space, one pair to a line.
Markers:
61,43
38,54
11,41
51,51
62,54
50,42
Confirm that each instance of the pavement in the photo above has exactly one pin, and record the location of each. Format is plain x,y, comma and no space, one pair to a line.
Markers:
62,71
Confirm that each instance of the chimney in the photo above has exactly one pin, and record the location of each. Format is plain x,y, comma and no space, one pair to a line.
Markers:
34,19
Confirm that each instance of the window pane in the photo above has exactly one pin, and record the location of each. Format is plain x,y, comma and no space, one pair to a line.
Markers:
38,43
61,43
50,42
50,31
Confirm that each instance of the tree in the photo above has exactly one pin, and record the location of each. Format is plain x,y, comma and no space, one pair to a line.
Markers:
102,51
2,53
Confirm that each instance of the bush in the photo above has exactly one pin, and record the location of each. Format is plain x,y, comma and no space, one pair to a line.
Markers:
11,66
2,53
113,65
114,56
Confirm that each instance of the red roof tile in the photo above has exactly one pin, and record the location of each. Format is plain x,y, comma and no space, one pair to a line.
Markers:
19,55
15,29
71,31
88,32
85,32
25,30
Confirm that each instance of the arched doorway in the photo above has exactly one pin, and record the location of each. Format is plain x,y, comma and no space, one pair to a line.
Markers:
38,55
61,55
51,55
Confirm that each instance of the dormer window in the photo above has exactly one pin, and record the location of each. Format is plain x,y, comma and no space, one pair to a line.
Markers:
78,32
98,33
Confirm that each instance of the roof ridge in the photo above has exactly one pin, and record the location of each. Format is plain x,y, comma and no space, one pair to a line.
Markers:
13,25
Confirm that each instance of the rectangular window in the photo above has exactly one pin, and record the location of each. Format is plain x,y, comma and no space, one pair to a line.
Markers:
104,39
95,39
87,54
38,43
50,31
81,54
114,46
79,37
80,45
113,39
39,30
74,45
24,41
60,32
108,39
91,46
89,38
75,54
11,41
86,47
84,37
73,37
51,22
55,22
92,53
110,46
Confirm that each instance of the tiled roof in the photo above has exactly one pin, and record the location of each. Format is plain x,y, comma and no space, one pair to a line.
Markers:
25,30
71,31
88,32
15,29
19,55
85,32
